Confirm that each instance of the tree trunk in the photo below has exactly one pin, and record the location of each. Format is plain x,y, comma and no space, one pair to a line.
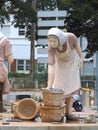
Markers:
32,51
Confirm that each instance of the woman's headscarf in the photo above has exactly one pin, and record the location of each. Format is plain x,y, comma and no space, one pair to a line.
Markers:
59,33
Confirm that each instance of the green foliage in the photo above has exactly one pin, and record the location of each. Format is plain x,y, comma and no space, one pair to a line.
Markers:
24,13
3,12
16,75
82,19
46,4
41,77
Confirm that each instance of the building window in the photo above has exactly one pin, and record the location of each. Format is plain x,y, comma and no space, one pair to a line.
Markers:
27,65
22,30
21,65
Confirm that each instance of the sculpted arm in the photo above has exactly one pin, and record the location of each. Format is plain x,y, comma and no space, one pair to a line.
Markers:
8,51
51,73
76,45
79,51
51,66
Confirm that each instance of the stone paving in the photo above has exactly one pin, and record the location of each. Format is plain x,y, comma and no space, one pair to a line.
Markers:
38,125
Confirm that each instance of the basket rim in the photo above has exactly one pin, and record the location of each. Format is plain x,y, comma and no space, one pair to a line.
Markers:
46,90
53,92
23,116
24,99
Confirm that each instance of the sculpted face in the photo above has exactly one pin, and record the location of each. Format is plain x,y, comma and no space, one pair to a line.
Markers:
53,40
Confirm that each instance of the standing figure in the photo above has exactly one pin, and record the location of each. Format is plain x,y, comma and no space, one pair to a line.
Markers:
64,62
5,54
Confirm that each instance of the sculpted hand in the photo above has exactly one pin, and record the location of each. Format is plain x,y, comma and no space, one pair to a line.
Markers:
80,62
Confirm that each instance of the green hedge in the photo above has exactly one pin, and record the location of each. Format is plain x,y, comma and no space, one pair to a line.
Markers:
16,75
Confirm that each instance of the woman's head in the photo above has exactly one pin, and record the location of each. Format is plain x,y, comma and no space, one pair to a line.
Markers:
57,34
53,40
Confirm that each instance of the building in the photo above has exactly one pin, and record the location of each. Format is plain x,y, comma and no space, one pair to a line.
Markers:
20,47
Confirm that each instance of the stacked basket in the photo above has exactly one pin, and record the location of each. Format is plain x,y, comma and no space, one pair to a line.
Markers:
53,108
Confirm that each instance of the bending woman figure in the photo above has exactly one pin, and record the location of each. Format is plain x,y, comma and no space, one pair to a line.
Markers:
64,62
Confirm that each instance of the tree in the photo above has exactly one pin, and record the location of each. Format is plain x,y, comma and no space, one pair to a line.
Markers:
46,4
3,13
82,19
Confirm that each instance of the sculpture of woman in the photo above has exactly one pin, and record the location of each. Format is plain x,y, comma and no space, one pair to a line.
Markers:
5,54
64,62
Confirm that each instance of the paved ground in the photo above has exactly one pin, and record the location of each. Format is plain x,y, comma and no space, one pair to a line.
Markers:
12,96
86,112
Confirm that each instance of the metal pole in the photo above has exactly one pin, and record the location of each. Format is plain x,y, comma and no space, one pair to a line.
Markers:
97,80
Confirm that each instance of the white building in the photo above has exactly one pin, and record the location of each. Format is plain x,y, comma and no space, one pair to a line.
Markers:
20,46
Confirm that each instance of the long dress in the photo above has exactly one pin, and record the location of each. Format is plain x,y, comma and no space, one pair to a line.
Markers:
5,54
67,75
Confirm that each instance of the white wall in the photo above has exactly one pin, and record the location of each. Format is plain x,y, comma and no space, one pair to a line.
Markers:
46,20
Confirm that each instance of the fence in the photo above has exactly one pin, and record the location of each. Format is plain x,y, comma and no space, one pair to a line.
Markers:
88,84
24,84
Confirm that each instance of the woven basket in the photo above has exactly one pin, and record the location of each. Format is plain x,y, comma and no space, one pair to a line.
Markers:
52,99
26,108
52,114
